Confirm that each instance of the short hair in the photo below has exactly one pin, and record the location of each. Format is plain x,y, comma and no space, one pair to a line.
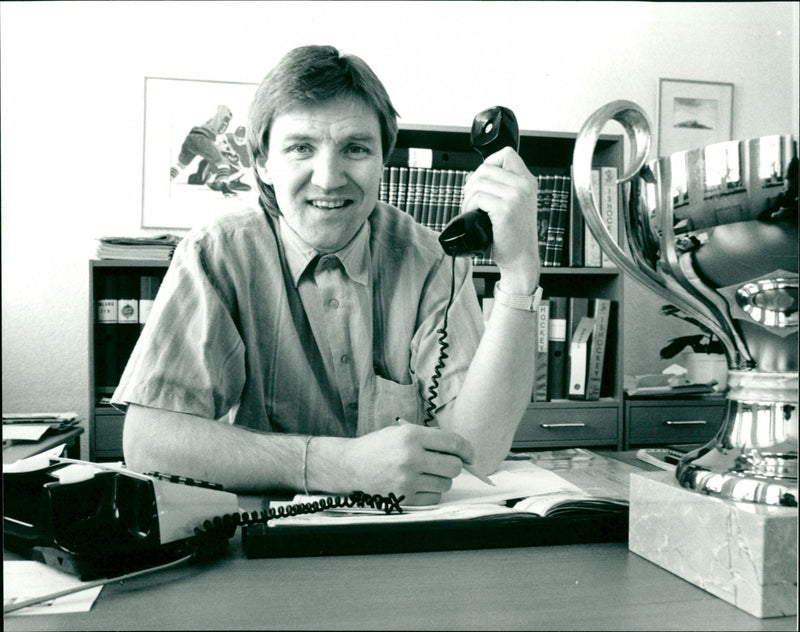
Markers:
314,74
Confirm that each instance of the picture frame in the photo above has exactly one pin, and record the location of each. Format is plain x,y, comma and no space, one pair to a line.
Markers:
191,172
693,114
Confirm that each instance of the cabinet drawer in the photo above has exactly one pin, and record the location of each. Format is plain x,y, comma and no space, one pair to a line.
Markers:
567,426
108,434
674,422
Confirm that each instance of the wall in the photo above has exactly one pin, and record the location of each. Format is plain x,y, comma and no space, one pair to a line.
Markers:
72,115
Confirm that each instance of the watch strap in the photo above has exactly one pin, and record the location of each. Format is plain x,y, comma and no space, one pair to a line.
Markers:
524,302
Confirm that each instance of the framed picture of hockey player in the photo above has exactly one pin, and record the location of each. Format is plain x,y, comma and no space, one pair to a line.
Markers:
196,163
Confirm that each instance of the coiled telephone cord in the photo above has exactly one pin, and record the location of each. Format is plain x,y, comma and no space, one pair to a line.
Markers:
433,389
212,537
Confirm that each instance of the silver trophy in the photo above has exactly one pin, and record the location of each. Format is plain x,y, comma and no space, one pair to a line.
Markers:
714,232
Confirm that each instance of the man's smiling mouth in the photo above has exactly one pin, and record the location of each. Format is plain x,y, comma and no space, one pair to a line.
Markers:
330,204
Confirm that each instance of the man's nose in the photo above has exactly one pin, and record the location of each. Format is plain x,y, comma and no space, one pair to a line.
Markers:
329,170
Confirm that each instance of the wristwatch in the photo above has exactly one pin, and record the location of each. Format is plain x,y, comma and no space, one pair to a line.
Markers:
525,302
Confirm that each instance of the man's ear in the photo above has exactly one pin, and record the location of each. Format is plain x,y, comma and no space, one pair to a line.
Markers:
263,172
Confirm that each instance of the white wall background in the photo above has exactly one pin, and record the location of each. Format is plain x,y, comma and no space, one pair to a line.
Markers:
72,116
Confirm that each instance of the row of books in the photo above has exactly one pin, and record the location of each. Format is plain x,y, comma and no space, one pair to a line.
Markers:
434,196
574,349
158,248
123,303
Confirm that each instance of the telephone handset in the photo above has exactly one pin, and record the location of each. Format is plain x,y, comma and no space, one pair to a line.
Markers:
470,233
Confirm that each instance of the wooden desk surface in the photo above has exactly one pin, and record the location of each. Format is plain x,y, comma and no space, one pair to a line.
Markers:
575,587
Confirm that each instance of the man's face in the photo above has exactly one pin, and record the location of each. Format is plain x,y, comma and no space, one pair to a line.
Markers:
325,163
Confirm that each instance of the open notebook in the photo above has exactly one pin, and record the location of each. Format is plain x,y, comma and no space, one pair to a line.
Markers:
537,498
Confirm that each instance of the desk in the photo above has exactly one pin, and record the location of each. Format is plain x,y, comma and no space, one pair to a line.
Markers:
574,587
23,449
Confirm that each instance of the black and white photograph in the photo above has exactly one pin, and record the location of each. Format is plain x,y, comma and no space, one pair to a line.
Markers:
400,315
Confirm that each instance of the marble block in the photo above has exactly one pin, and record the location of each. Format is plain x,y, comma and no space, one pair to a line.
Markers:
743,553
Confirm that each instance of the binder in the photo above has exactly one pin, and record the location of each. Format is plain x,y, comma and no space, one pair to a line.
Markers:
578,358
597,350
577,308
128,317
539,393
557,348
106,332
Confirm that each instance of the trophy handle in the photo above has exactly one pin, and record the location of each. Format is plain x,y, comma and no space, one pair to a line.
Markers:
637,128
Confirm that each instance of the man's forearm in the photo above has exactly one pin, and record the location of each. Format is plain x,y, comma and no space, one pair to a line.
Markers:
497,388
239,459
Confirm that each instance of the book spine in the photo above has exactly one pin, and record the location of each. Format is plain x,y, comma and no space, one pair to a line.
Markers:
394,174
539,393
423,195
575,233
601,311
578,358
106,334
402,187
128,317
544,198
609,379
592,255
609,197
441,192
556,347
408,207
107,301
577,308
434,215
449,196
383,189
558,221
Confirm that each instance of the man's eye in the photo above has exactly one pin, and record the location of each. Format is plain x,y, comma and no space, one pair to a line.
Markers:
300,149
357,150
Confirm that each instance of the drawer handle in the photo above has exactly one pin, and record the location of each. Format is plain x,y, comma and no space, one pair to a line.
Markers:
694,422
577,425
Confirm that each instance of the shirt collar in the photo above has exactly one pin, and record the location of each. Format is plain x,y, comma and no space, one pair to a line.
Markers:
353,257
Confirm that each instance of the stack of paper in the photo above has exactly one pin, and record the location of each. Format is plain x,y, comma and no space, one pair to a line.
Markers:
159,248
33,426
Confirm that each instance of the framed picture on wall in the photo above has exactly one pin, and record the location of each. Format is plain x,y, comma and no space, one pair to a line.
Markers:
693,114
196,163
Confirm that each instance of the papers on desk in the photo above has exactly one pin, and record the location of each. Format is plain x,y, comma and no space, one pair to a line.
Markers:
34,426
23,580
24,432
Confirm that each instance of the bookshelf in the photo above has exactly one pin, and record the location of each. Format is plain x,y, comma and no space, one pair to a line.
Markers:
110,344
548,424
558,422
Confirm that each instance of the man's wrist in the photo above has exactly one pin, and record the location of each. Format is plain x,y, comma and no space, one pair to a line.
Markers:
525,302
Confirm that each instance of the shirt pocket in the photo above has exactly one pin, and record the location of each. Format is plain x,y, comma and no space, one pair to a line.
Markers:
382,400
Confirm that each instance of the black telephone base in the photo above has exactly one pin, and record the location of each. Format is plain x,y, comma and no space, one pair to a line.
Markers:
90,567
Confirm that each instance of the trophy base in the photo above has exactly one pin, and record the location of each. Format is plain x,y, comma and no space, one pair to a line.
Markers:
754,455
743,553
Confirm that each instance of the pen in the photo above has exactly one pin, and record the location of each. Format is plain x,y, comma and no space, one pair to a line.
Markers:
467,466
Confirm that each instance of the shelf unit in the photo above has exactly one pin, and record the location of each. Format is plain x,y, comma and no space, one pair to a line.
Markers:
558,423
660,421
563,422
111,345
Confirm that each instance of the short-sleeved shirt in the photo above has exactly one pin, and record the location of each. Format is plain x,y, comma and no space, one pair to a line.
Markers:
254,326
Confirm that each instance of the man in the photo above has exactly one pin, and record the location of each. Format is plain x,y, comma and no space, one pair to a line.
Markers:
233,148
286,341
